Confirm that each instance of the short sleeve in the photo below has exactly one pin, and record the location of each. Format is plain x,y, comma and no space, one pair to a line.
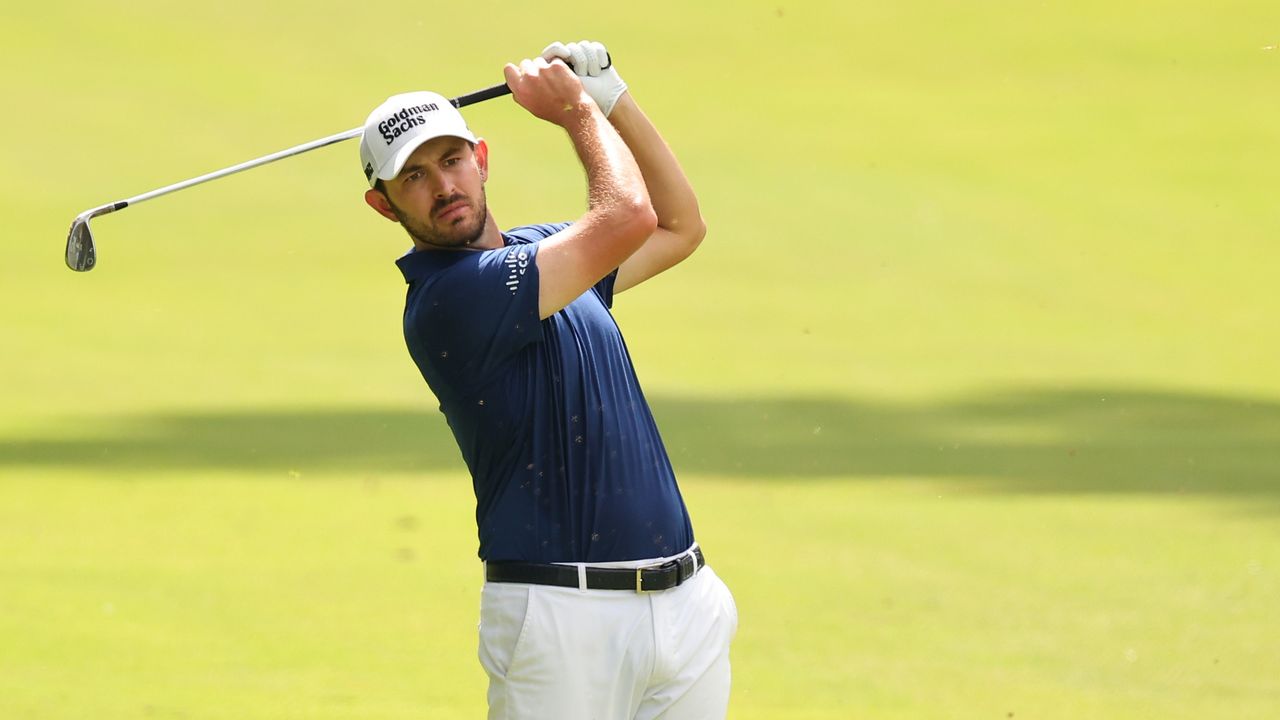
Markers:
535,233
474,316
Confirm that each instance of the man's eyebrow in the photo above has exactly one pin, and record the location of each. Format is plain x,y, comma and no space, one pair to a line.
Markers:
446,152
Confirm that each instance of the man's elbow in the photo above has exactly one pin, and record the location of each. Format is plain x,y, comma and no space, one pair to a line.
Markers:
697,231
638,221
689,235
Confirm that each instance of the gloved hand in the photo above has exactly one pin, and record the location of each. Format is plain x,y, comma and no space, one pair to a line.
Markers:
591,62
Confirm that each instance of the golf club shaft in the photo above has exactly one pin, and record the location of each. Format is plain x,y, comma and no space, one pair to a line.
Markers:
459,102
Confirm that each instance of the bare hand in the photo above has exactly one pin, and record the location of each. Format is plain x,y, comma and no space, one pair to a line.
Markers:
548,90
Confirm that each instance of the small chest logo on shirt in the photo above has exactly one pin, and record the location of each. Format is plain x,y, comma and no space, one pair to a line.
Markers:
517,264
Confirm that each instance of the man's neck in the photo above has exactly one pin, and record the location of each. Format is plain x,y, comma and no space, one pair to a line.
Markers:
491,236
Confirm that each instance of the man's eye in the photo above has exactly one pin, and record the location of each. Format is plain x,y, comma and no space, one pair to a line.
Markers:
450,162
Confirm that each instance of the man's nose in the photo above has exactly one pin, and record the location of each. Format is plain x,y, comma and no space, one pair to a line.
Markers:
442,186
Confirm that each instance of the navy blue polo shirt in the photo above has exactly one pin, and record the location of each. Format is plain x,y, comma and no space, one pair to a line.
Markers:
564,454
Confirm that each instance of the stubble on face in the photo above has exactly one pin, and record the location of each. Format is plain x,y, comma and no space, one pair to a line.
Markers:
453,234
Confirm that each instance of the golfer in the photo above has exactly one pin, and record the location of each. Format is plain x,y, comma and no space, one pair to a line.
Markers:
597,603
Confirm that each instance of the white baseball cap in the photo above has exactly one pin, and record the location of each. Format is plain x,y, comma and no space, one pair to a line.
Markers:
398,126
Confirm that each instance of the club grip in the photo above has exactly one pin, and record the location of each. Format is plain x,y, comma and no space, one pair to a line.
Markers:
488,93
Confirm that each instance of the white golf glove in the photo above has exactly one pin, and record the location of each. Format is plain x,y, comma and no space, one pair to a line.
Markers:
591,62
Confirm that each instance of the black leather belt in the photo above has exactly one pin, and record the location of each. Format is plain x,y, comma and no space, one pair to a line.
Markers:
643,579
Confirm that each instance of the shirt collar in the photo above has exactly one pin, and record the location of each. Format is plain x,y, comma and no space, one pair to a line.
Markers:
418,265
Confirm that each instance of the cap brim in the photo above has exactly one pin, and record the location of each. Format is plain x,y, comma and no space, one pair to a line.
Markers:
395,164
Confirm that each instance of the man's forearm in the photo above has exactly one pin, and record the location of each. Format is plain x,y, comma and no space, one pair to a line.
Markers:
615,183
672,196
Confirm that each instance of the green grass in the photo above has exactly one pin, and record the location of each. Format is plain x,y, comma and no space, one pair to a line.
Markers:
971,388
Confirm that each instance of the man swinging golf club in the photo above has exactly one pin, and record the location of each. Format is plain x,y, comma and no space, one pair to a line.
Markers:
597,604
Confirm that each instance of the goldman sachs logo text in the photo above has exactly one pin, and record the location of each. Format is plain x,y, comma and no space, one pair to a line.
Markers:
401,122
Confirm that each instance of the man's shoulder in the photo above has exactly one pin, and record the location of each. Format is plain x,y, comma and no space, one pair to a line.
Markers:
421,266
525,234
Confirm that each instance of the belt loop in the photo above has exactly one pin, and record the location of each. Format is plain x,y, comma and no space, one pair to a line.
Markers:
582,577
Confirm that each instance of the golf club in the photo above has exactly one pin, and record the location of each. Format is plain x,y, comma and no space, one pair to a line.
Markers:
82,254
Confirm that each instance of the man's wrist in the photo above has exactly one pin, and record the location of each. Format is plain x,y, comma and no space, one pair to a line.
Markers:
576,115
624,110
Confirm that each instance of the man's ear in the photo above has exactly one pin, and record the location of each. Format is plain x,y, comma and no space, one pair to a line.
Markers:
379,202
481,151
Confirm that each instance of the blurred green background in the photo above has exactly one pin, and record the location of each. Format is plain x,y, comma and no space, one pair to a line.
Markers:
972,389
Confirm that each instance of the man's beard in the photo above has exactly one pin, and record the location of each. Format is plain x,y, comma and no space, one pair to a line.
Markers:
455,235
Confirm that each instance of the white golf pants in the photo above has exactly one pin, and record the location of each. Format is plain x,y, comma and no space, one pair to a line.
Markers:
556,653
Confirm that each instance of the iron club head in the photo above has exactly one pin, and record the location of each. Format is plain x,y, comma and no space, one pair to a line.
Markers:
82,254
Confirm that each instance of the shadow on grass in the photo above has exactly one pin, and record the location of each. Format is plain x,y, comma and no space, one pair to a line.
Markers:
1077,440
